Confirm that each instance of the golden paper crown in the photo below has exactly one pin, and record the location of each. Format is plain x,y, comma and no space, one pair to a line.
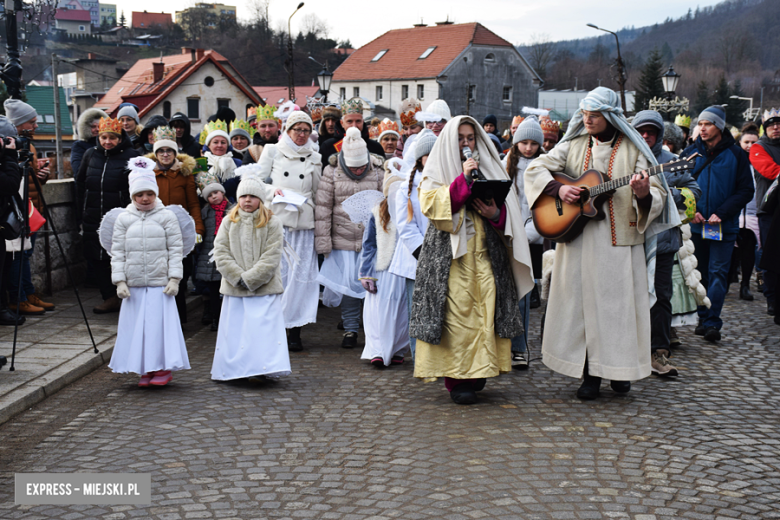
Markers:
266,113
110,125
316,113
683,121
240,124
251,112
203,135
164,133
517,120
210,127
373,132
352,106
550,129
387,124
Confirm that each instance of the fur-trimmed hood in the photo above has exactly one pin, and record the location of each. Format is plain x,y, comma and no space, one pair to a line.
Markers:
184,163
85,122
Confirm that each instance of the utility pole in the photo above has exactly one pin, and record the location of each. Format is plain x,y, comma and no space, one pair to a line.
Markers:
468,98
57,122
621,79
291,58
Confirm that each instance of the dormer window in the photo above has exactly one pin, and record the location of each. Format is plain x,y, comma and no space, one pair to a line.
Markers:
379,55
490,58
427,53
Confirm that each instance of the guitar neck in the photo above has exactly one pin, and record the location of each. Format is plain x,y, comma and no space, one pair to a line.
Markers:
606,187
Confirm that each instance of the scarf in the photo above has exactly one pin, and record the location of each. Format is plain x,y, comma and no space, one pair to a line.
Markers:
287,140
444,165
219,213
349,173
144,207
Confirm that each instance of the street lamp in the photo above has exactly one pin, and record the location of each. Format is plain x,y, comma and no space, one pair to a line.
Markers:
670,80
290,70
621,72
748,114
324,78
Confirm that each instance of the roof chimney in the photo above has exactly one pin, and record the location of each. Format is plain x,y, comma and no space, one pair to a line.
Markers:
201,53
157,71
421,24
445,22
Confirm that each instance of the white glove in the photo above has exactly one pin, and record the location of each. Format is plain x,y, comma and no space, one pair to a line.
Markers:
122,290
172,289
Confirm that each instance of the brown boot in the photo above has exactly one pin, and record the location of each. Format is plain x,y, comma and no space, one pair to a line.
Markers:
40,303
27,309
111,305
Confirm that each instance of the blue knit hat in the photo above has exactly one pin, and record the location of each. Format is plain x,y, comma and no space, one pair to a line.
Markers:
529,129
715,115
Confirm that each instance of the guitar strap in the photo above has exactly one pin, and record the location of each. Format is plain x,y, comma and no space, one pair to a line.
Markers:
706,163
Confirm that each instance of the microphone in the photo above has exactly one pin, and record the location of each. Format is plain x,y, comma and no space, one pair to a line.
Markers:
475,174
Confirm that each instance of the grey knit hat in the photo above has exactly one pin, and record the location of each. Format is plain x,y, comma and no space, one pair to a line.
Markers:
714,114
424,144
6,128
211,188
129,112
18,112
529,129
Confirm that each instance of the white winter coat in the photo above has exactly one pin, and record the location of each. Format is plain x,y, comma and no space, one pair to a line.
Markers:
530,230
410,233
146,247
298,171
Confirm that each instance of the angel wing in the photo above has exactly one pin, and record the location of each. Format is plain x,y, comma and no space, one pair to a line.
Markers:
106,230
187,226
358,207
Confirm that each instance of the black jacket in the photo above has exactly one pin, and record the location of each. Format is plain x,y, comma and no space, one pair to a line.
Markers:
188,144
101,185
153,123
10,176
328,147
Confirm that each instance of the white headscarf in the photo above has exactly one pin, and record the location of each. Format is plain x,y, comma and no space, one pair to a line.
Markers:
444,165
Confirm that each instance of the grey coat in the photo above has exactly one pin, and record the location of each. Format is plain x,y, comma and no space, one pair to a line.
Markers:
207,271
670,241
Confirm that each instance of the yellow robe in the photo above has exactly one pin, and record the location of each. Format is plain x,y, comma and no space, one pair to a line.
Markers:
469,345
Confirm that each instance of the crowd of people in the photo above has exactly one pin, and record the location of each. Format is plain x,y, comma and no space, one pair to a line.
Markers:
291,209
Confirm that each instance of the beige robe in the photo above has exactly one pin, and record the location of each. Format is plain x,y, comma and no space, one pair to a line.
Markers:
470,347
599,304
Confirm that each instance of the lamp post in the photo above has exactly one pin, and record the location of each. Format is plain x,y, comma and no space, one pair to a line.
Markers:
290,69
670,103
621,71
324,78
748,114
670,80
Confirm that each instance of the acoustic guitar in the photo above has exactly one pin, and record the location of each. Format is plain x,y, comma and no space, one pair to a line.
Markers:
561,222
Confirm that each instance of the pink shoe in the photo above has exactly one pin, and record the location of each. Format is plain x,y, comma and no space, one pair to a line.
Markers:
161,378
144,382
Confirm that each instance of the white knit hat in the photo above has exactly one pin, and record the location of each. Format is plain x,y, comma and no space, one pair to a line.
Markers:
437,111
142,176
216,133
298,116
354,149
251,182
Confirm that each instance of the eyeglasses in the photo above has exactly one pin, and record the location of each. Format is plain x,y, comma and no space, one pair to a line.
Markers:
301,131
772,124
167,151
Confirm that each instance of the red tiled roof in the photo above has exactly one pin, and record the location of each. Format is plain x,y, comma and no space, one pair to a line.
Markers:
144,20
405,46
138,87
272,95
72,15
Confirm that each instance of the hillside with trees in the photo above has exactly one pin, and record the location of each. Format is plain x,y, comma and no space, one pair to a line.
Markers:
733,44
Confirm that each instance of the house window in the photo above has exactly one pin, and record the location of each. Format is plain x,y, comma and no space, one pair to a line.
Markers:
48,118
507,95
208,81
490,58
82,28
472,92
343,93
427,52
193,108
379,55
355,91
379,93
167,109
420,91
404,91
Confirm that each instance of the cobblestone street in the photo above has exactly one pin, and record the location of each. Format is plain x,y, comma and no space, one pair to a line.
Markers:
339,439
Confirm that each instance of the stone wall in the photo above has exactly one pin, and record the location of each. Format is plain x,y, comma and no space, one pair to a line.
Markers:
47,264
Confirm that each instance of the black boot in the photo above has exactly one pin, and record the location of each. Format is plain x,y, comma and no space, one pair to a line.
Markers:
745,294
590,386
536,301
294,339
8,318
214,325
770,307
207,318
3,361
621,387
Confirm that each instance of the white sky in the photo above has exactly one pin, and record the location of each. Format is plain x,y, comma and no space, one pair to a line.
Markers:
361,21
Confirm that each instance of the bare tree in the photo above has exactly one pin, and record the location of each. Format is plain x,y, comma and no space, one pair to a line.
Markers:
542,52
734,47
313,24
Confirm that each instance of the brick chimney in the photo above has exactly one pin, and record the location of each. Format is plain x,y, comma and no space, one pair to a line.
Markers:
201,53
157,71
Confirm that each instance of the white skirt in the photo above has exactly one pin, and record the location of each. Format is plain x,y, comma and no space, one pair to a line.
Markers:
386,318
339,273
149,336
251,340
301,289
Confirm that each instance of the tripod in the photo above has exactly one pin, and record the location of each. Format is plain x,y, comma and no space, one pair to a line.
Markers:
26,159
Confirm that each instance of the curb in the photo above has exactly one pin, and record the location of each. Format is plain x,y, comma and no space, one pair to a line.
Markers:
30,394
